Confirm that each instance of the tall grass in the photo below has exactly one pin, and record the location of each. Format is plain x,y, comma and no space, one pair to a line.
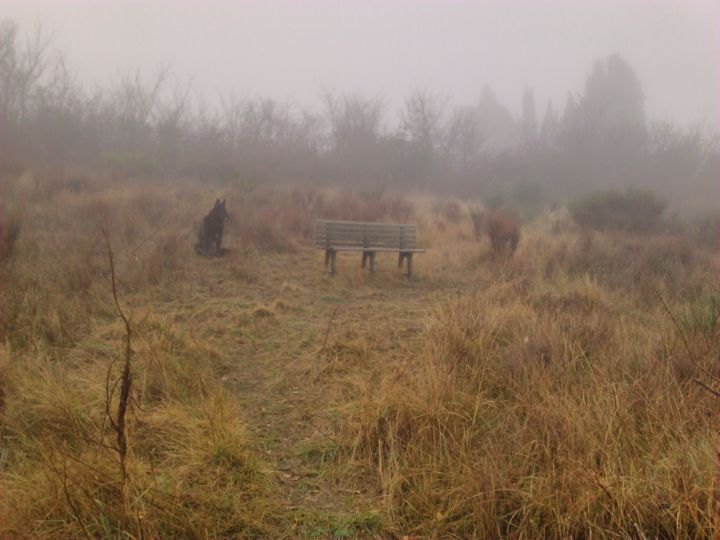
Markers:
558,408
191,471
556,400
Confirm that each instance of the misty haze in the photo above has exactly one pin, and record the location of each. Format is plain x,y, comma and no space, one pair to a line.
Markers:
359,269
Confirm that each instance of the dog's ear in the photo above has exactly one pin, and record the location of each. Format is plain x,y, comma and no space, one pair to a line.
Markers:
217,202
223,202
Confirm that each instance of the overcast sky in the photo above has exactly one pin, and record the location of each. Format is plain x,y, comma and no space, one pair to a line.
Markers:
290,49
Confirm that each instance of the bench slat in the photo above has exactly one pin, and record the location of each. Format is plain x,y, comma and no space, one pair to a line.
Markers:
398,241
396,232
362,223
390,237
396,250
369,232
372,247
371,238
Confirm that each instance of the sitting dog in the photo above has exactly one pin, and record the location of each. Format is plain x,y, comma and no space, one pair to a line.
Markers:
211,230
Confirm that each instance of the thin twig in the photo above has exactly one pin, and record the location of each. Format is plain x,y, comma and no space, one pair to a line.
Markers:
329,327
108,398
706,387
125,377
75,512
603,487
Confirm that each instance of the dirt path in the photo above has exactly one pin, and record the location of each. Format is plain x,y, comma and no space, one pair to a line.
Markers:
292,388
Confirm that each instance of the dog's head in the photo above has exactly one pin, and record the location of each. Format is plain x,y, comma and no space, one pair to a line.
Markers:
220,210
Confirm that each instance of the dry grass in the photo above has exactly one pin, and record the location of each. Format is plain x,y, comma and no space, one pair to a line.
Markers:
548,408
544,395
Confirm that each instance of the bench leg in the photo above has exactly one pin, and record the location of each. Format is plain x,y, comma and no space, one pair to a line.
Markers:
364,259
409,265
372,262
333,254
327,258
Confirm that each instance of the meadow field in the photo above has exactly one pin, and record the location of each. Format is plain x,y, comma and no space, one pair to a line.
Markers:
563,391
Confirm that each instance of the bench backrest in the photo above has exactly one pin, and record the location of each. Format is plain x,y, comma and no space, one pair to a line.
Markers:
358,234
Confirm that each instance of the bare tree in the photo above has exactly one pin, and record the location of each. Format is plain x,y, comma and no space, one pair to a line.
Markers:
135,102
22,69
464,137
355,120
422,119
173,111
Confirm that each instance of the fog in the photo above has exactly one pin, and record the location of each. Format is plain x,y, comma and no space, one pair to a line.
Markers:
523,104
290,50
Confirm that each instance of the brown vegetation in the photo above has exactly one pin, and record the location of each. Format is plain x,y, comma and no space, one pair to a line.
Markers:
501,228
550,394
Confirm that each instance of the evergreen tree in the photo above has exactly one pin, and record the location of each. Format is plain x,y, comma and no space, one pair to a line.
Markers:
528,122
550,128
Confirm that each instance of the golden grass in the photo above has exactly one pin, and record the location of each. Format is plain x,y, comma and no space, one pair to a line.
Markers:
544,394
543,413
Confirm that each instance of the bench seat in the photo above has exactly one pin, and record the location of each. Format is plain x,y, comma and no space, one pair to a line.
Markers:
356,248
368,238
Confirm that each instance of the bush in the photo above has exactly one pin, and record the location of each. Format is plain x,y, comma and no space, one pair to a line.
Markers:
632,210
501,228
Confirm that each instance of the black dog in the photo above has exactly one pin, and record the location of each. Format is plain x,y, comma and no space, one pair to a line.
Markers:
211,230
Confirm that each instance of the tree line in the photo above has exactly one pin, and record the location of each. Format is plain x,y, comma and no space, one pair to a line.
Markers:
153,125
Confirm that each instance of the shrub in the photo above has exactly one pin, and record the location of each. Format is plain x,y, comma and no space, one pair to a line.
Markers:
632,210
501,228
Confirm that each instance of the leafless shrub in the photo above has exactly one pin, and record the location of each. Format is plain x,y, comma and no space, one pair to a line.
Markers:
501,228
118,421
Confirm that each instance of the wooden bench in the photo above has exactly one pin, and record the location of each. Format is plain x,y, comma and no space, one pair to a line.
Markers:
369,238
